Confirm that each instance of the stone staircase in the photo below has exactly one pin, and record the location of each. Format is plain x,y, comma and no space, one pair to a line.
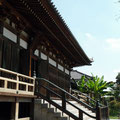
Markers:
46,111
43,111
65,106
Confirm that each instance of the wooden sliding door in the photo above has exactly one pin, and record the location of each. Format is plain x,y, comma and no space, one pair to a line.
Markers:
42,69
9,55
15,56
24,61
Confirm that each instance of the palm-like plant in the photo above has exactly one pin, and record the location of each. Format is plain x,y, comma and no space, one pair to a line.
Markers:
94,85
81,85
97,86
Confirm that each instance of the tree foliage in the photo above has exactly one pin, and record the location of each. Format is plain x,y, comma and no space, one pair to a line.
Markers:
118,79
81,84
95,85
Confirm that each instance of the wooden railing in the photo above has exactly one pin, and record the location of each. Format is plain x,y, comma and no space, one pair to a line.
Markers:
12,82
27,118
84,97
43,90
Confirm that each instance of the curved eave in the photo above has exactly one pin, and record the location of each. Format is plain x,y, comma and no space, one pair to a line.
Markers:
60,23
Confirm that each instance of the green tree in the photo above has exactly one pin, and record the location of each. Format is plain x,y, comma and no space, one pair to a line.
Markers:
94,85
97,86
118,79
115,90
81,85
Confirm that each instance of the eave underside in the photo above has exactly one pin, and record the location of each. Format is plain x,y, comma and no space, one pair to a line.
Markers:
41,18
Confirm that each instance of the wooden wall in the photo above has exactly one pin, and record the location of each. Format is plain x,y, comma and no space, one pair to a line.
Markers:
1,44
59,78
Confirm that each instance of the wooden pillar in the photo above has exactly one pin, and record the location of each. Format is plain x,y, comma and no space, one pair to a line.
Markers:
32,107
57,73
18,37
64,78
48,63
1,42
47,93
1,28
30,72
16,110
69,81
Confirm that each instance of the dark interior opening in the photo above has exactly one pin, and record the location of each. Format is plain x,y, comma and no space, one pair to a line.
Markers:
24,110
5,110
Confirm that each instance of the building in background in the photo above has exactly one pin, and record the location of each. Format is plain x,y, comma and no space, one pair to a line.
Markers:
76,76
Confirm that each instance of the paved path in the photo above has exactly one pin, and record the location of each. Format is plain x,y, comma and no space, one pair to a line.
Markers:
114,119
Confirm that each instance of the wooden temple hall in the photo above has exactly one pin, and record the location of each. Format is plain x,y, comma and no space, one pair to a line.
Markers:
35,42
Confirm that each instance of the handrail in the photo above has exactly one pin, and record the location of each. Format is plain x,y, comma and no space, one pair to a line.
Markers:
74,98
64,99
89,98
80,109
84,95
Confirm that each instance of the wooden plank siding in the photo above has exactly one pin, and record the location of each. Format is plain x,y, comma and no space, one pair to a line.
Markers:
15,59
6,55
1,46
9,55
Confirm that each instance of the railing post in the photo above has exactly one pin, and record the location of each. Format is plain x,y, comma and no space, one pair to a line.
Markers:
80,115
34,85
17,84
64,100
26,88
48,95
37,86
88,99
98,116
106,111
5,83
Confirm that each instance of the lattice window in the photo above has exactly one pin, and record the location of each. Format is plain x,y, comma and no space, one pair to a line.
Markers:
2,83
11,85
22,87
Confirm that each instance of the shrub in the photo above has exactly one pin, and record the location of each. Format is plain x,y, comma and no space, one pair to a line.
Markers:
114,107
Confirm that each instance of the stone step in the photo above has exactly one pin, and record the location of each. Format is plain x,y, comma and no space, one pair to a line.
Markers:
48,112
44,105
75,111
57,114
61,118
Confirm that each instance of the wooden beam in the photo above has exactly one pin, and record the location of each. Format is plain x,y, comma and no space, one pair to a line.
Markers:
18,16
36,41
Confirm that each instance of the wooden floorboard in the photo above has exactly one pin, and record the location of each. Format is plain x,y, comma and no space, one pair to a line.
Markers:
17,95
